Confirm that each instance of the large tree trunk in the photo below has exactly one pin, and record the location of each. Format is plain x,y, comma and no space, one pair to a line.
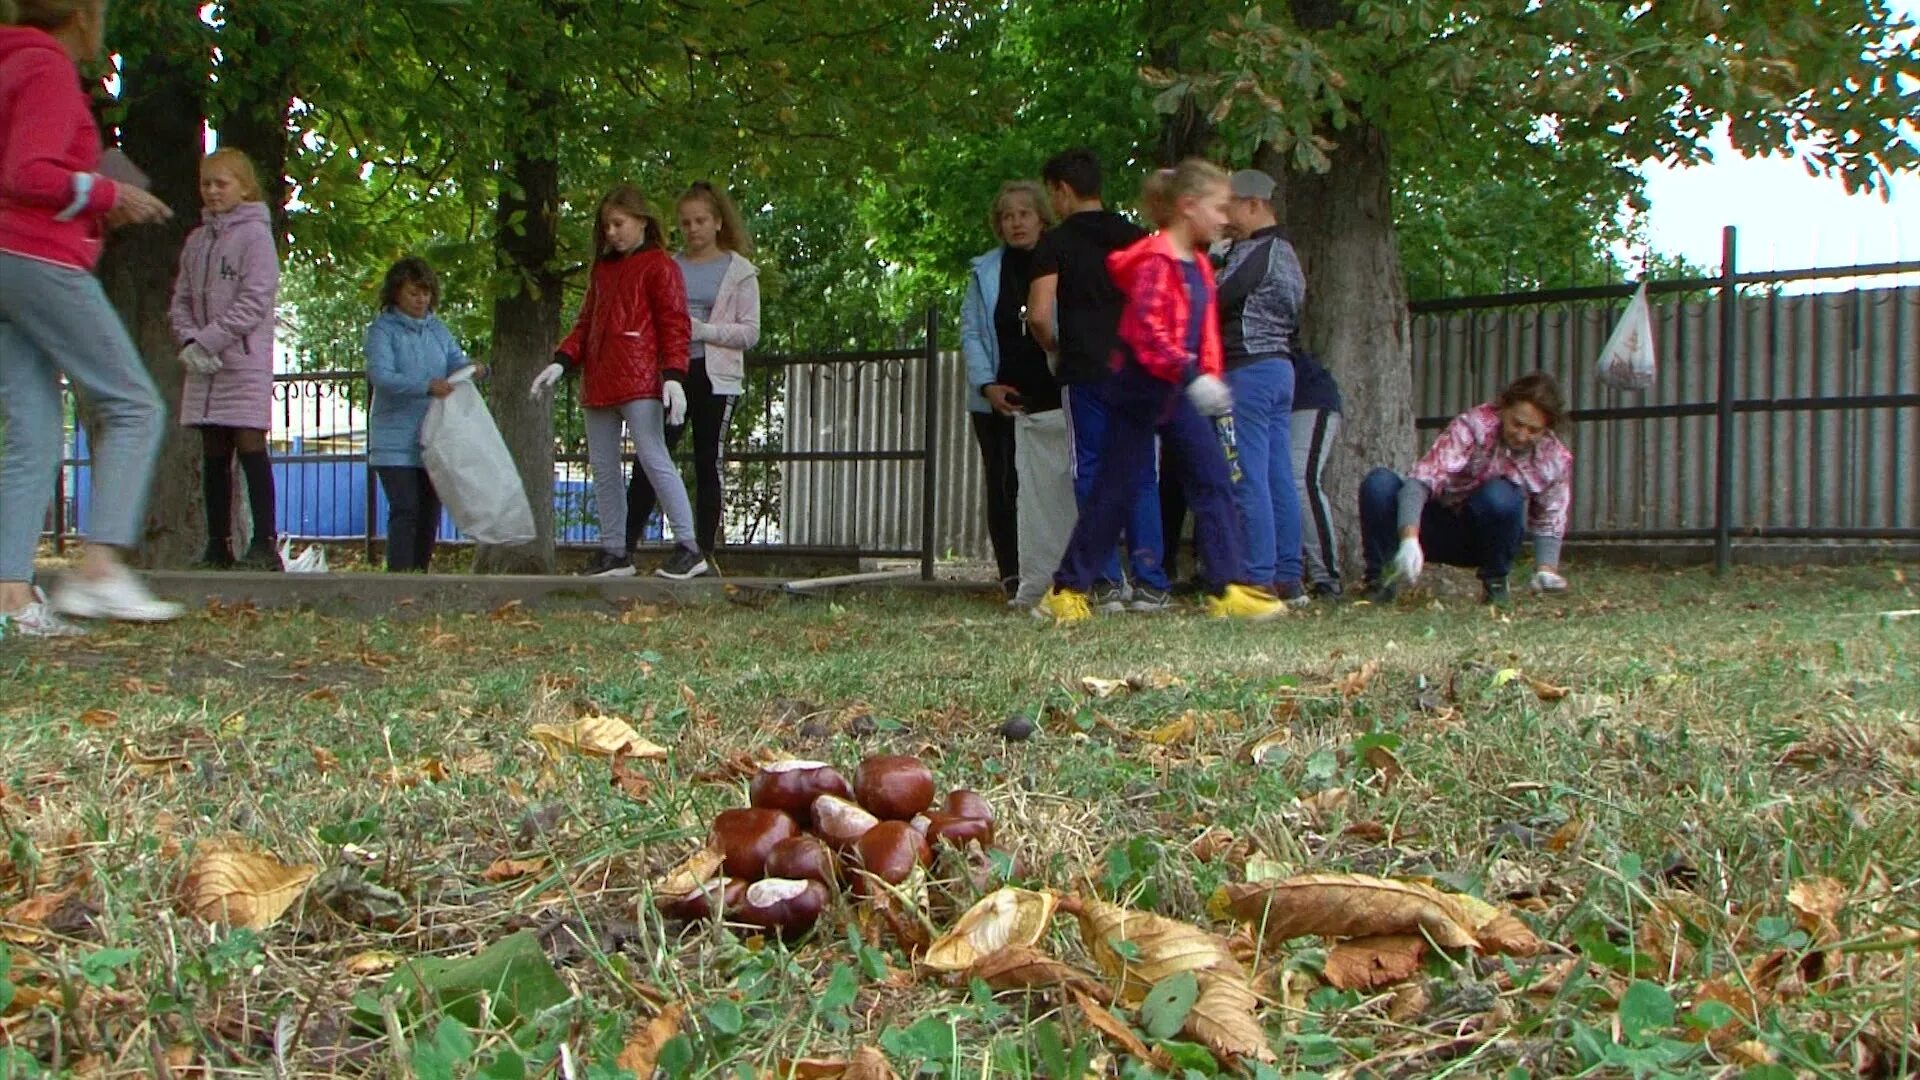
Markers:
161,129
1356,319
525,322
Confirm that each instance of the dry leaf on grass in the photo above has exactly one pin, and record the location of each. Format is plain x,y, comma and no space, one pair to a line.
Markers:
1567,836
504,869
1816,902
642,1051
1497,931
371,962
1102,688
1005,917
1325,803
598,734
1163,946
228,883
869,1064
1347,905
693,872
154,764
25,919
1409,1002
1546,690
1750,1053
628,780
1023,967
1123,1036
1368,963
98,718
1223,1020
1354,683
324,760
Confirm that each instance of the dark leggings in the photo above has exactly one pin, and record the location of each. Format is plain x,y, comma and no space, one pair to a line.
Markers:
413,517
219,445
708,414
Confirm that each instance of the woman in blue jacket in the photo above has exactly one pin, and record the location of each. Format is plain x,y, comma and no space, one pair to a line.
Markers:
410,354
992,323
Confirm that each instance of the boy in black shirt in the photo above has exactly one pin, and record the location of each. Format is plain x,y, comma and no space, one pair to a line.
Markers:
1073,309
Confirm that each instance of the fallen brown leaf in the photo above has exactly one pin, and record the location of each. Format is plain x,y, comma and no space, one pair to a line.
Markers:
642,1051
1005,917
26,919
371,962
1123,1036
1354,683
324,760
228,883
1750,1053
1223,1020
1816,903
1368,963
693,872
98,718
1546,690
597,734
1101,688
1163,946
504,869
1567,836
1347,905
154,764
1409,1002
869,1064
1023,967
628,780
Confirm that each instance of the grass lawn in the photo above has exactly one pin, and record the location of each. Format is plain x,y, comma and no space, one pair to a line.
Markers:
1713,830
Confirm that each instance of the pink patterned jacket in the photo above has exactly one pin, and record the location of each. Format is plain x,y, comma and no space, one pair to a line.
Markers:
1469,453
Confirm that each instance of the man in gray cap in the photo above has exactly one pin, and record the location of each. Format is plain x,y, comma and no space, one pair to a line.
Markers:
1261,293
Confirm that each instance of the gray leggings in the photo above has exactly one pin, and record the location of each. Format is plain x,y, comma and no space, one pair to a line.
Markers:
56,320
646,421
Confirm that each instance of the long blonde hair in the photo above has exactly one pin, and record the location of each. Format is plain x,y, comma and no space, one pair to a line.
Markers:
240,165
733,230
1163,189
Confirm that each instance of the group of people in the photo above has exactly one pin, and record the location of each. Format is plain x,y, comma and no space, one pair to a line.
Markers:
1119,380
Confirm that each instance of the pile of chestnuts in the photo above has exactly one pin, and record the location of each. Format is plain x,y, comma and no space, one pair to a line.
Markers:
777,863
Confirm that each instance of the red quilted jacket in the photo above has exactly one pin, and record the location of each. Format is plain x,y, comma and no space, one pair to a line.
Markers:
1154,324
632,330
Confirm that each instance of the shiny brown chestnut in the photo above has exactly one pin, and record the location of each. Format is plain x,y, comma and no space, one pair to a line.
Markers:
890,851
744,835
804,857
840,822
894,786
784,906
958,831
726,893
791,786
961,802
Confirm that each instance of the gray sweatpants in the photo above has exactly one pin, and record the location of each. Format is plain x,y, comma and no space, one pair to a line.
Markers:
56,320
646,420
1043,460
1314,433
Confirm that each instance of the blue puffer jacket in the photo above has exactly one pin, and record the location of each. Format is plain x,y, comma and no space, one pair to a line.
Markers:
404,354
979,342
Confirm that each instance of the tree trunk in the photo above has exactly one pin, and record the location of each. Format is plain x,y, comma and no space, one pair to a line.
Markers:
160,128
525,322
1356,317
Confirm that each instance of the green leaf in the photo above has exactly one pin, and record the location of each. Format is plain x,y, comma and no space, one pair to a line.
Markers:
676,1057
843,987
1053,1052
1645,1009
1191,1058
929,1040
1323,765
506,1065
1710,1014
512,974
438,1057
1164,1012
98,968
725,1017
1168,101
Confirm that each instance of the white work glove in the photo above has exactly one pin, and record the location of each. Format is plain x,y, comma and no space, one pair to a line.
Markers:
543,382
1408,561
702,330
198,360
675,399
1548,581
1210,395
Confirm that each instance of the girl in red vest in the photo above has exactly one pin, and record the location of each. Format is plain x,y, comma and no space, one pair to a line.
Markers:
629,344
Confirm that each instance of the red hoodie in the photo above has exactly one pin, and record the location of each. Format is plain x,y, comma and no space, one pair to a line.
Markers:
1153,325
53,205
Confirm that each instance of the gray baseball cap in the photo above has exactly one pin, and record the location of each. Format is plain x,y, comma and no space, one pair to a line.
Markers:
1251,184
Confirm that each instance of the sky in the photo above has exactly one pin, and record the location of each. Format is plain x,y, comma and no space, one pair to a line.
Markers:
1785,218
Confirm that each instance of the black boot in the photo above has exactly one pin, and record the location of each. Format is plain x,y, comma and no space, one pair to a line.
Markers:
218,556
261,556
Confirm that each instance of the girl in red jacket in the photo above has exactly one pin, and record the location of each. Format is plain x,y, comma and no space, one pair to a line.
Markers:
629,344
1166,382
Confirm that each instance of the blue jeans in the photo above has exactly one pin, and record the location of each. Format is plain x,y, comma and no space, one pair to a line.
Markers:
1483,532
1269,503
1139,407
1089,431
55,320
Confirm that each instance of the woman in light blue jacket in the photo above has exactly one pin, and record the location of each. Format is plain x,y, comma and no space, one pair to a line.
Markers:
1020,212
410,355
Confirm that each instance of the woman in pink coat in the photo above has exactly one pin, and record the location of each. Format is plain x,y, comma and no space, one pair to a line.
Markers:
223,304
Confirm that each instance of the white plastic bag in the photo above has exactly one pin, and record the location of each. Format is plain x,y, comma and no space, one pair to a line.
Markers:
311,561
471,469
1627,361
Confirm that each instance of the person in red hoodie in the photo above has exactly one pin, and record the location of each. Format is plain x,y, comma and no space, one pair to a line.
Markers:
55,208
1167,382
629,344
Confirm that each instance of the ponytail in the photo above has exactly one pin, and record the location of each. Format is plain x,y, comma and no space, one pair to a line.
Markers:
1163,189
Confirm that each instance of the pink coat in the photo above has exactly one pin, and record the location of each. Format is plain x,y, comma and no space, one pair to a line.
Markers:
224,300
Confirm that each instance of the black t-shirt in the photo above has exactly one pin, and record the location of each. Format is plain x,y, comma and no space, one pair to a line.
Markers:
1087,302
1023,363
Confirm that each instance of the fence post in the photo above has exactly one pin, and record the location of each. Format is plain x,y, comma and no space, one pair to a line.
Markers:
373,506
1723,414
60,485
931,439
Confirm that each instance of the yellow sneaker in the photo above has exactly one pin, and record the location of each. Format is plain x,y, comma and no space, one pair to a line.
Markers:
1246,602
1063,606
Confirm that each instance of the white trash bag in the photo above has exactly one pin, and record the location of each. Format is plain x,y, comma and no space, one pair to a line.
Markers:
1627,361
471,469
311,561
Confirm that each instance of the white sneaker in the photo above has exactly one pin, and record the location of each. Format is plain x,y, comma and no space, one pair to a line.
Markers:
37,620
120,595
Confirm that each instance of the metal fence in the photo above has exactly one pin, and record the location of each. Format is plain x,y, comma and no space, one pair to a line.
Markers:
1774,416
326,489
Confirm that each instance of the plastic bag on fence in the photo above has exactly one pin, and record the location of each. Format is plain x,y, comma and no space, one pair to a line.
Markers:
471,469
311,561
1627,361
